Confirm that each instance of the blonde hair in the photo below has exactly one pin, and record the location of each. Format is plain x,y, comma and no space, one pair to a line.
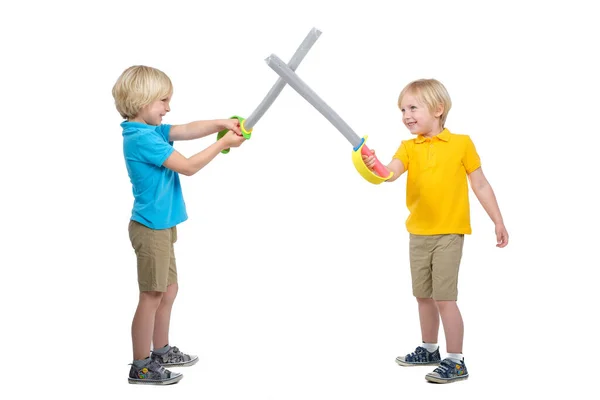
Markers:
139,86
430,92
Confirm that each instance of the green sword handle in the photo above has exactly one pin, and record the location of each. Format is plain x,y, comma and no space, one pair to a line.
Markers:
245,133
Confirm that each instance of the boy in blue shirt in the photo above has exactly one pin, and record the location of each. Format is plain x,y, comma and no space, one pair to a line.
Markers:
142,95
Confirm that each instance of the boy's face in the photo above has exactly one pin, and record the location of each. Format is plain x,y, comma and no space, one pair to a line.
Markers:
417,117
153,113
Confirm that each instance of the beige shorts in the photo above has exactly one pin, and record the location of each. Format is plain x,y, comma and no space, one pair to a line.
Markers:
434,262
155,256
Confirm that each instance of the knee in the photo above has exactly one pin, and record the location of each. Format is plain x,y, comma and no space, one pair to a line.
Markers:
170,294
151,299
445,304
423,301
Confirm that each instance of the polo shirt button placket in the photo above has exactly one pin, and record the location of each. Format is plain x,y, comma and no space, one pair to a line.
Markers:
430,152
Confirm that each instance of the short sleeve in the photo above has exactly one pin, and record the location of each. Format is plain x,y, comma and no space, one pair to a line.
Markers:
402,154
154,149
165,129
470,158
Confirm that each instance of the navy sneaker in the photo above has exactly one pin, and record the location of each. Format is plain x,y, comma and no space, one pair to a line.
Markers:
448,371
174,358
421,356
153,374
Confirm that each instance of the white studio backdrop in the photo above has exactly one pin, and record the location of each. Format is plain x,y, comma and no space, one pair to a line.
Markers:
294,277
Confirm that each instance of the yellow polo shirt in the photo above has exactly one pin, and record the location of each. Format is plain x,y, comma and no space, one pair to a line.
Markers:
437,191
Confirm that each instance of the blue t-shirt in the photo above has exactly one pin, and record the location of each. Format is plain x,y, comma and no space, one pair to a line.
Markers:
158,199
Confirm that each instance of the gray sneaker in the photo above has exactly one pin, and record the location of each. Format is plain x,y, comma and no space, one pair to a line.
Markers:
421,356
448,371
153,374
174,358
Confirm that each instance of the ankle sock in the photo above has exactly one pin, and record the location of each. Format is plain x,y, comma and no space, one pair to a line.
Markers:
162,350
456,357
141,363
430,347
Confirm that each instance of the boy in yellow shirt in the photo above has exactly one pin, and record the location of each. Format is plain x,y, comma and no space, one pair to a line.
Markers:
438,164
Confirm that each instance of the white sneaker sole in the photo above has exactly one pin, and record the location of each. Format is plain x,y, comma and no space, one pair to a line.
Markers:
436,379
411,364
181,364
169,381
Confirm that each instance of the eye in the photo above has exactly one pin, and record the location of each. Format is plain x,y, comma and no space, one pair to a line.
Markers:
402,109
413,107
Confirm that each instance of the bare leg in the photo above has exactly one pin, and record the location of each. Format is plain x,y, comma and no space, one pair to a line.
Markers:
453,325
429,318
143,323
163,317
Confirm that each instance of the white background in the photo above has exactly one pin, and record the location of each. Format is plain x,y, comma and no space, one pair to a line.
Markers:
294,280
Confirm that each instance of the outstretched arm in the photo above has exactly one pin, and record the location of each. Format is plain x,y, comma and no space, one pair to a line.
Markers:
485,194
199,129
189,166
397,167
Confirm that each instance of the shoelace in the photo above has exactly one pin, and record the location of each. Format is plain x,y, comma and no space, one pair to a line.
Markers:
154,366
176,355
416,354
444,367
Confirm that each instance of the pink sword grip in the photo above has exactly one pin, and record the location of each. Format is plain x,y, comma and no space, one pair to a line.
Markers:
379,168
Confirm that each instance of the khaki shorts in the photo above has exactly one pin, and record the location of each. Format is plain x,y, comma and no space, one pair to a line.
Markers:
434,262
155,256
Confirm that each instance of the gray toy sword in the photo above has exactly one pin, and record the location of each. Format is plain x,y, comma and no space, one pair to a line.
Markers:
247,124
292,79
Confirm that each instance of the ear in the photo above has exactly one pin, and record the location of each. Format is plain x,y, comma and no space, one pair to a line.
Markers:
439,111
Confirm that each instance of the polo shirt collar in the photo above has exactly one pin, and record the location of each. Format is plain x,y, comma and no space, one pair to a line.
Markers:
443,136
